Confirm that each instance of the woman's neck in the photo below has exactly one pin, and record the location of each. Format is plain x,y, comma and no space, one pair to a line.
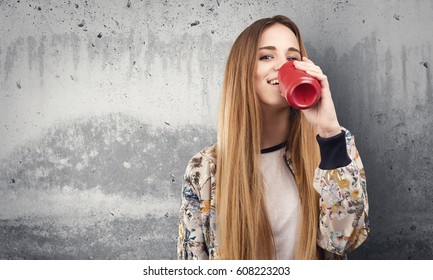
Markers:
275,128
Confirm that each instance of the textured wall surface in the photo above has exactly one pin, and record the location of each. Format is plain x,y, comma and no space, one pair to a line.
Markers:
102,103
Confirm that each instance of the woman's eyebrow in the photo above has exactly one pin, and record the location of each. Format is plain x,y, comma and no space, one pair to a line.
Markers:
273,49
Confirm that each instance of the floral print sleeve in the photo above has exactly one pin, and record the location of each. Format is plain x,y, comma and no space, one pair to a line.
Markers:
343,220
190,242
196,239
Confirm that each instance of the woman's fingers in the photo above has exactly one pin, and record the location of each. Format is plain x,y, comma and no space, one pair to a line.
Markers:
307,60
318,75
310,68
307,65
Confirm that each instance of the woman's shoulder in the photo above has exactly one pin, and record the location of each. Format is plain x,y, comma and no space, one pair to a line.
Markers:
206,154
204,159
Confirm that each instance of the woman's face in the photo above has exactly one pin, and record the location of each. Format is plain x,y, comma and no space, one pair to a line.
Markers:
277,45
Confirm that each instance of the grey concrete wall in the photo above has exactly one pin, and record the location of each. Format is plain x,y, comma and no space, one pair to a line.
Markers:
102,103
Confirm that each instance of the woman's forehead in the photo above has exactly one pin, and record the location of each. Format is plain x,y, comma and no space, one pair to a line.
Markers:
278,35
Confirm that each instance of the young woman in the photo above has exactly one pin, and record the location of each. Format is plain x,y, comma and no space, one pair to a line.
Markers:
260,192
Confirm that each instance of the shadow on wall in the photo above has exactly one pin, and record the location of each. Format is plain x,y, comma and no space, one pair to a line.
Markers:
103,188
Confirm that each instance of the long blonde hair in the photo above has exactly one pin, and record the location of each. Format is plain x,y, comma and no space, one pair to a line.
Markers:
243,227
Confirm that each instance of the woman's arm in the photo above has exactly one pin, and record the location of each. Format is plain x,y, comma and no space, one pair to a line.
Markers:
191,244
340,181
340,178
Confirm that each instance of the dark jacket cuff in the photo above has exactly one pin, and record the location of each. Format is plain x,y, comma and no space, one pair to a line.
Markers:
333,151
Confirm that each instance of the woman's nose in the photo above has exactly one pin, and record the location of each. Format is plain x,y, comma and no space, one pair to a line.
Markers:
279,62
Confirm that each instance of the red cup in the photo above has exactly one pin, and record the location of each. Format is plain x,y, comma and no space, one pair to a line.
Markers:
301,90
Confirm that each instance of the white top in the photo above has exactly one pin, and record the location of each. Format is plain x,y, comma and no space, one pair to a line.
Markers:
282,201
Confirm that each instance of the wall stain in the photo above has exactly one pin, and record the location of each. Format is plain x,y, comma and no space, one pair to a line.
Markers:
404,74
429,87
389,123
108,51
11,57
36,52
89,171
195,23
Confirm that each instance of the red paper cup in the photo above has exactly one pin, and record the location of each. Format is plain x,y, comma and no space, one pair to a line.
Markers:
301,90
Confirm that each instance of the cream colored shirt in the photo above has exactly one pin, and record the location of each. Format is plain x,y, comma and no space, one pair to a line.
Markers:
282,200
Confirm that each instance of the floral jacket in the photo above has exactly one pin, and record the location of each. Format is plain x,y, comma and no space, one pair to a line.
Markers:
339,179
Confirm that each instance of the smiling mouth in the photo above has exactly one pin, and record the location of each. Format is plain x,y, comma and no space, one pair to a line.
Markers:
273,82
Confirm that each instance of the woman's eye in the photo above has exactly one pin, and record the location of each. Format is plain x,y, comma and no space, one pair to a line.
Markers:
292,58
265,57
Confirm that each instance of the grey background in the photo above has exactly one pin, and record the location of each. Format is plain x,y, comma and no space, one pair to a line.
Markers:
102,104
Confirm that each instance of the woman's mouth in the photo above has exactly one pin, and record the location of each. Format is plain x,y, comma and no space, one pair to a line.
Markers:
273,82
